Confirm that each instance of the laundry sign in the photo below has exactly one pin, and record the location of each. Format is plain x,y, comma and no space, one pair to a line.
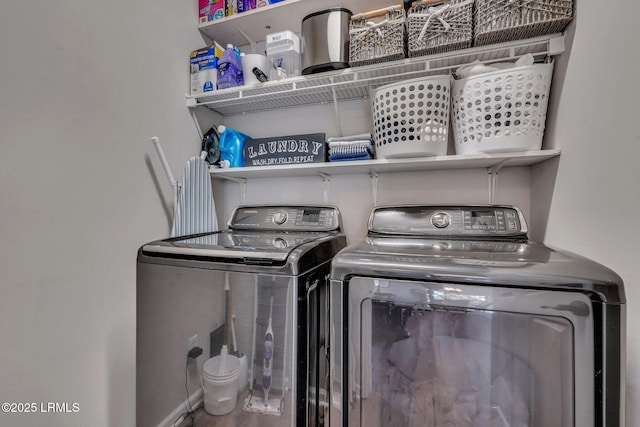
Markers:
285,150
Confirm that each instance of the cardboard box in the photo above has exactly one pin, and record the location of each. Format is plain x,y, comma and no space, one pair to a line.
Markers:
243,5
204,69
210,10
285,150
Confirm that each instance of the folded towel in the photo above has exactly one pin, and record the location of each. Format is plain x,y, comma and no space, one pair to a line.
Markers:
360,150
362,142
349,157
362,136
356,148
353,147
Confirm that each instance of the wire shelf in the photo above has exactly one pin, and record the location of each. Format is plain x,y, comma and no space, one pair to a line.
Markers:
357,82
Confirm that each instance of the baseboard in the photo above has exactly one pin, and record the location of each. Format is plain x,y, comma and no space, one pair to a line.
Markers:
196,399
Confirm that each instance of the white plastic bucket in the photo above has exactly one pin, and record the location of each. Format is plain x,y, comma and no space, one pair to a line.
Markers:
220,387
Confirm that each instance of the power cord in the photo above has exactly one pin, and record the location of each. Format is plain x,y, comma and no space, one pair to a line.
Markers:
193,354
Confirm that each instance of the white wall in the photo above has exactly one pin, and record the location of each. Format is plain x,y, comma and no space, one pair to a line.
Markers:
85,84
596,126
352,194
83,87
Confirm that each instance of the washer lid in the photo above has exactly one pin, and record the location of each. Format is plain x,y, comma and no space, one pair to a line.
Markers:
508,263
235,245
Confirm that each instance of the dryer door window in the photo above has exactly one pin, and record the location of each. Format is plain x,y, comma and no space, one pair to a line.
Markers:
436,355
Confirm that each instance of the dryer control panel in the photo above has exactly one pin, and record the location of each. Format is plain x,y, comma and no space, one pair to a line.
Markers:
451,221
286,218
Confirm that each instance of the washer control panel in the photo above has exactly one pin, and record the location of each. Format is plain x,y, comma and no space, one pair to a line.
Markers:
286,218
477,220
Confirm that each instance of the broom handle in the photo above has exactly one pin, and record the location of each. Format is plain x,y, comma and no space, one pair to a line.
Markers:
228,316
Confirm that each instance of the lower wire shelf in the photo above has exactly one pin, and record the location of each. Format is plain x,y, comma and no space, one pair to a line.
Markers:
417,164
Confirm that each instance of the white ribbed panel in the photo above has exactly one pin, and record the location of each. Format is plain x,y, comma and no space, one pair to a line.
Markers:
196,211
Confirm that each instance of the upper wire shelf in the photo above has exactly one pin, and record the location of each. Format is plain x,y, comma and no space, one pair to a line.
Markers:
357,82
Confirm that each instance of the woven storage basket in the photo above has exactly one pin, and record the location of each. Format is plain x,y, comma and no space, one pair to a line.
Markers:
371,42
433,29
498,21
411,117
501,111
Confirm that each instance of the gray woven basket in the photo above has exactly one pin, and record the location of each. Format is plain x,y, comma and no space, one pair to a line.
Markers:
373,42
434,29
499,21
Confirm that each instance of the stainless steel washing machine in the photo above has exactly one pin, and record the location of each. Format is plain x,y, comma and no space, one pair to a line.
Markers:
449,315
267,276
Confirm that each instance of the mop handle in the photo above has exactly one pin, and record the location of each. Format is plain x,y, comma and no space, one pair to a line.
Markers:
233,334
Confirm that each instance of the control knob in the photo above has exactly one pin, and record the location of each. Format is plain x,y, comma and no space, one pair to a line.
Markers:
440,219
280,243
280,217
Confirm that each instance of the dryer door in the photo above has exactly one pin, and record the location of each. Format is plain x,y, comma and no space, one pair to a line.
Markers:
419,353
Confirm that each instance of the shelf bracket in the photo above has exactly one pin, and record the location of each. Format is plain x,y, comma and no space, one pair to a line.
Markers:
195,120
493,172
325,191
335,106
373,175
251,42
191,101
556,45
242,182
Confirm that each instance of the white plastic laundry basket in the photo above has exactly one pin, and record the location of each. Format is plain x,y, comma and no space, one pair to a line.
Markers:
501,111
411,117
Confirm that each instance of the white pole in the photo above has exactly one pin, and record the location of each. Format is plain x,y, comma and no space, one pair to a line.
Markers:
167,171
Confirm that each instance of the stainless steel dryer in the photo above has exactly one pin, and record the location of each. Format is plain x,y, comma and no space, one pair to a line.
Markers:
449,315
267,273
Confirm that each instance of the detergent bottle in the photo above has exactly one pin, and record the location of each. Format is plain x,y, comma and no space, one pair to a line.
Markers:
230,68
231,147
